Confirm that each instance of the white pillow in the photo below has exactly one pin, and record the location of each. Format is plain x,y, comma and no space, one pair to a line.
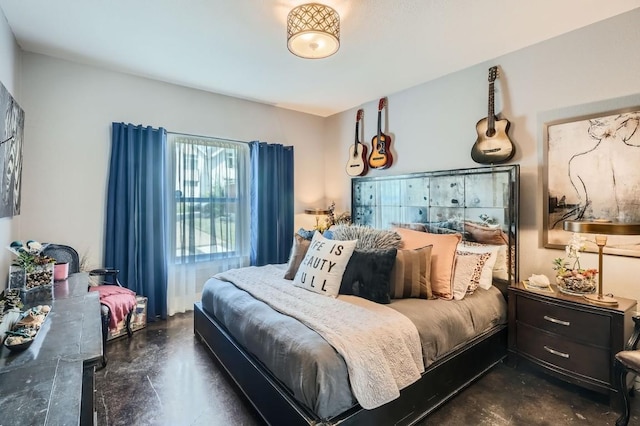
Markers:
467,272
322,268
501,268
486,279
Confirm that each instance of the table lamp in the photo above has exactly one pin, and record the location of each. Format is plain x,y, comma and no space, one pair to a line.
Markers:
601,228
318,213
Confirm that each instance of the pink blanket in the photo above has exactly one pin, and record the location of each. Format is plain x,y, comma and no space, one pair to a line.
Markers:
119,300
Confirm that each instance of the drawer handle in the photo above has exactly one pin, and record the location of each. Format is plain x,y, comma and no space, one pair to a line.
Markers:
557,321
553,351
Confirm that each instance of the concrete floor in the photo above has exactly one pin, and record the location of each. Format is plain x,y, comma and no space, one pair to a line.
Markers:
162,376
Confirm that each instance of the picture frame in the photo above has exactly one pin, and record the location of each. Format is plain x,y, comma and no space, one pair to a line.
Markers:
11,137
590,158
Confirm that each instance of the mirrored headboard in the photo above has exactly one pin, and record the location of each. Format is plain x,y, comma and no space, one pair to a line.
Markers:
479,203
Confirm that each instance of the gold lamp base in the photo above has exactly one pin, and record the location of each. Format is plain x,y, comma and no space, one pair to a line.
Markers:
601,300
600,227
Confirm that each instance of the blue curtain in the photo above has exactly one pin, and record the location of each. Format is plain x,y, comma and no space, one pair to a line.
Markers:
136,213
271,202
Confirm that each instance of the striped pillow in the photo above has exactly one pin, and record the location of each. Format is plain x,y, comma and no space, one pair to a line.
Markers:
443,256
411,275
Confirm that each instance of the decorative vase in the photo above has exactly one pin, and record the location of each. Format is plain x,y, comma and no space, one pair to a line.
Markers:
61,271
576,285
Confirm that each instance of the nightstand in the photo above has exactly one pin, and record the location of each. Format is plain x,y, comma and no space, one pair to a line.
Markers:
568,337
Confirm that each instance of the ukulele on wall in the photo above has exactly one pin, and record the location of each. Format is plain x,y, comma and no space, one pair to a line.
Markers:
380,157
493,144
357,163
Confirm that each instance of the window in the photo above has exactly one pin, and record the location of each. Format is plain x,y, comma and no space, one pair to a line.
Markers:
210,208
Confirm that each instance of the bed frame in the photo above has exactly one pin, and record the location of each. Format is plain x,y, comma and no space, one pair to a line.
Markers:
276,405
442,380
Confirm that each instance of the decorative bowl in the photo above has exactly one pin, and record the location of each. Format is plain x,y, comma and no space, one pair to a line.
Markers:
26,328
20,346
575,285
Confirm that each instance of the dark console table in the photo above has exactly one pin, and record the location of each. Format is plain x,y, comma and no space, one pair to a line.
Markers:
52,382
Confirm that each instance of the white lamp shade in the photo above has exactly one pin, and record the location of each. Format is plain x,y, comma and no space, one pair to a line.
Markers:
313,31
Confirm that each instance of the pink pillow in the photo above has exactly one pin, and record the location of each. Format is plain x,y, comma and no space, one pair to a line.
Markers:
443,256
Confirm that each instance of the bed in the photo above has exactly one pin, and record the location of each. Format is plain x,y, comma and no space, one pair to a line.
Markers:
310,385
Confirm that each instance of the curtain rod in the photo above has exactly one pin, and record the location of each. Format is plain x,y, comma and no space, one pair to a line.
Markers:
209,137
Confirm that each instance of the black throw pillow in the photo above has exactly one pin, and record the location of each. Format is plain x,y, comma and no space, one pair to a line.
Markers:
368,274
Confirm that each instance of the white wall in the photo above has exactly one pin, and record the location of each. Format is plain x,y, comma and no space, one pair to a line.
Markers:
10,77
433,125
69,111
69,108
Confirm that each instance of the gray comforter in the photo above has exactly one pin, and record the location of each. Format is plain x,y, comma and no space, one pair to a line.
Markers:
310,368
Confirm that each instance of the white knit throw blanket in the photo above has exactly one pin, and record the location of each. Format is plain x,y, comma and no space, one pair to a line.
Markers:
380,346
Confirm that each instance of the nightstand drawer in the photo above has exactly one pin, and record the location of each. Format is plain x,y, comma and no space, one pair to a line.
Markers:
564,353
587,327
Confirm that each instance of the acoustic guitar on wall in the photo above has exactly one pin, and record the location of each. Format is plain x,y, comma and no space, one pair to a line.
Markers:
380,157
493,144
357,163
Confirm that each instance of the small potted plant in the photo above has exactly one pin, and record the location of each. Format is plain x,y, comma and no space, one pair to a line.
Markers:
571,278
31,271
343,218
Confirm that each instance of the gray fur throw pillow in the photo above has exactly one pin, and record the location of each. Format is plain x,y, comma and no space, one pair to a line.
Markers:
368,238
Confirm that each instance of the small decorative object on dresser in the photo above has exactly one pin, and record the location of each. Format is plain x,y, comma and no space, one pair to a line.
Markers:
568,337
9,315
31,272
538,283
24,331
570,277
61,271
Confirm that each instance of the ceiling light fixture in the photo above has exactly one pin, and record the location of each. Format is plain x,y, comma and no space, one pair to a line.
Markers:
313,31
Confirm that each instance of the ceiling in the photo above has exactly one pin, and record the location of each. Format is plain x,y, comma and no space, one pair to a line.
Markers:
238,47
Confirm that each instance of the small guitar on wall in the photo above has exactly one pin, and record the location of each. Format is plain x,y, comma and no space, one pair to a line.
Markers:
357,164
380,157
493,144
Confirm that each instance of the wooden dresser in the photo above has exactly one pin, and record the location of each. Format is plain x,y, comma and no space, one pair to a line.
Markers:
568,337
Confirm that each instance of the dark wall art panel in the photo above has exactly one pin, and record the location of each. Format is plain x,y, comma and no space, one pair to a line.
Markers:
11,137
